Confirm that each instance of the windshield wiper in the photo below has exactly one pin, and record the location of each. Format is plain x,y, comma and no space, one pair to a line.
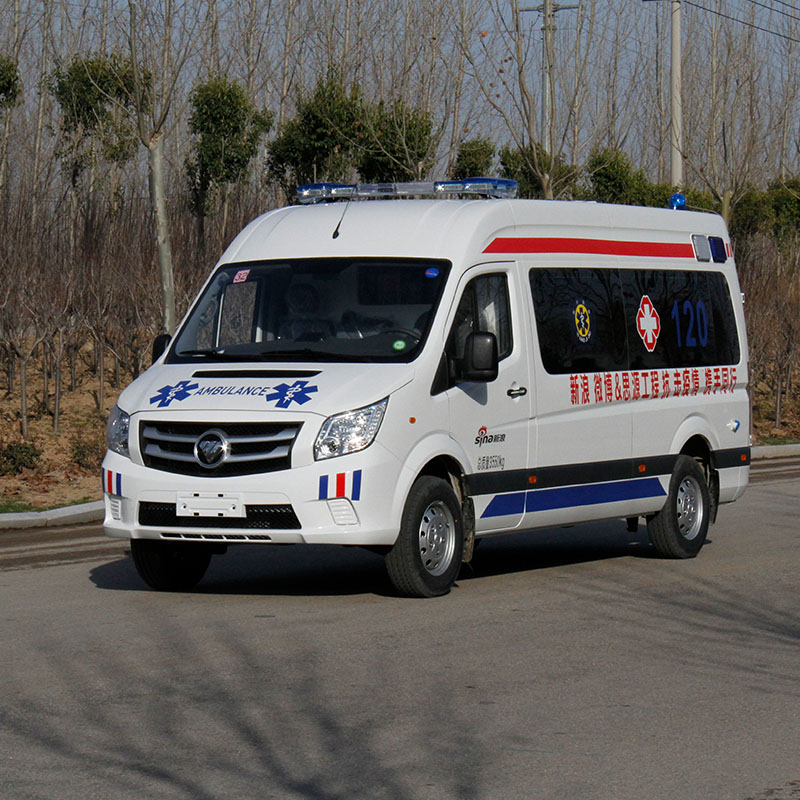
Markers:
220,354
314,355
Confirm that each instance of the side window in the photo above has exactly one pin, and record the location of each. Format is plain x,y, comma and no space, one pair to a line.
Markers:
483,307
678,318
579,319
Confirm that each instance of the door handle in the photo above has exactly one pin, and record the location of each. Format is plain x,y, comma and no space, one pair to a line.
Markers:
521,392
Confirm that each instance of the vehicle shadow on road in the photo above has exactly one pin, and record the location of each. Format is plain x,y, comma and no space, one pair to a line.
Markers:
317,570
301,570
555,547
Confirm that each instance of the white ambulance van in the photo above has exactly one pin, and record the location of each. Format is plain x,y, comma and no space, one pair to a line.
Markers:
409,375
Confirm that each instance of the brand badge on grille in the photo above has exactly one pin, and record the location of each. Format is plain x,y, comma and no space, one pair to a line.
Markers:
211,449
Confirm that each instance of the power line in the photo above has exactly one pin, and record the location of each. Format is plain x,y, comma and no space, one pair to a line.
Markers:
743,22
788,5
776,10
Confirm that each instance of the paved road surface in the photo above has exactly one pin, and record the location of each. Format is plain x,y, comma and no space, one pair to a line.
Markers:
566,664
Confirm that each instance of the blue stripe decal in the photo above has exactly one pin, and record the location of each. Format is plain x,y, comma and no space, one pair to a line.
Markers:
323,487
357,485
572,496
502,504
119,484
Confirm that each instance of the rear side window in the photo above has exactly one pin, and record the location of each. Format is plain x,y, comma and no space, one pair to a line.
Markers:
679,319
607,320
579,319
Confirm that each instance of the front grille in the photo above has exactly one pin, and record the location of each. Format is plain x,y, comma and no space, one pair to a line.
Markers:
257,517
255,447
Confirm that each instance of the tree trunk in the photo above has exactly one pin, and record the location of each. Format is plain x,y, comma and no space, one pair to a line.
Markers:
12,361
23,404
45,379
72,355
57,381
158,199
100,397
725,209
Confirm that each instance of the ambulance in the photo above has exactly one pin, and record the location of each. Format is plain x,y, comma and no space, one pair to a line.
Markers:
410,368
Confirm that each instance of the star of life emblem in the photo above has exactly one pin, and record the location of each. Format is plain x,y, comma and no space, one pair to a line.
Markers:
166,394
299,392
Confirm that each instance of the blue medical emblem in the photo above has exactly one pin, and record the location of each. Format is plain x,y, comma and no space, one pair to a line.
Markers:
298,393
166,394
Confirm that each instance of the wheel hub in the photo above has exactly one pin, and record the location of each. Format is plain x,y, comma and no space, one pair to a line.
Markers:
436,538
690,508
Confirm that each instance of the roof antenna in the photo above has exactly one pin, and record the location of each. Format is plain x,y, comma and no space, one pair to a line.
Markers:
341,219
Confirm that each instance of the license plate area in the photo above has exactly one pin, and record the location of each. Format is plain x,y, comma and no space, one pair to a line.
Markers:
209,504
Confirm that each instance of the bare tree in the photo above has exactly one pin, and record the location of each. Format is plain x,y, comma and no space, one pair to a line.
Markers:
160,40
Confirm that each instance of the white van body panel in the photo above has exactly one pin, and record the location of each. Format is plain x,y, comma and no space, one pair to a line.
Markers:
529,449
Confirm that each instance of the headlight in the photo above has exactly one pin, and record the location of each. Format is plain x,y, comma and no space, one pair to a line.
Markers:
117,431
349,432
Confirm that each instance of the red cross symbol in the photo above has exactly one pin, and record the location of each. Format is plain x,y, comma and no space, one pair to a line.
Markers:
648,323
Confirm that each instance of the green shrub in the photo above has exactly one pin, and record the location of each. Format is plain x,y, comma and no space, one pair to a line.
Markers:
88,453
18,456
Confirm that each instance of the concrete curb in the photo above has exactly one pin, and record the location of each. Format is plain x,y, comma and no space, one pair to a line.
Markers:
69,515
94,512
775,451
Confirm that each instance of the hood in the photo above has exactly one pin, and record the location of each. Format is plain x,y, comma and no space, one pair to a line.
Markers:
322,389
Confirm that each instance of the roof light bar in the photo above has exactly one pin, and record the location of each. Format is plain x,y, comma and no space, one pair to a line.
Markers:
487,187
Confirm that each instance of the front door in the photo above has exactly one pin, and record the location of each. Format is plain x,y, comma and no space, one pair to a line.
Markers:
490,420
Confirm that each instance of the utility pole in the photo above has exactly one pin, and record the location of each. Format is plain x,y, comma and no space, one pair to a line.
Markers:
548,11
676,126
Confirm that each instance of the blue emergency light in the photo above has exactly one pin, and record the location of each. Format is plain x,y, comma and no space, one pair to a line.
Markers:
485,187
678,202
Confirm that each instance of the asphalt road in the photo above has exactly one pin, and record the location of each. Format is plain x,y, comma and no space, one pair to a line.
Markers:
565,664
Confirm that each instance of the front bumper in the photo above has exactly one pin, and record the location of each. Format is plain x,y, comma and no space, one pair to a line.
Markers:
347,501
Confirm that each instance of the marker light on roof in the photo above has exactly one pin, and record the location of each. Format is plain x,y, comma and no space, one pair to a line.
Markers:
487,187
314,192
677,201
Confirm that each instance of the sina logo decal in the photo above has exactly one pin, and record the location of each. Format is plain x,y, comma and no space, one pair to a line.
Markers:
484,437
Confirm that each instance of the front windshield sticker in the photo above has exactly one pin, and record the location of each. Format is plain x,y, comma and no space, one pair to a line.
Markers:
284,395
399,345
432,272
241,276
166,394
298,393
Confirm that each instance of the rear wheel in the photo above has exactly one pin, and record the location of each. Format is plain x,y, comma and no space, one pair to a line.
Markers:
170,566
426,557
679,529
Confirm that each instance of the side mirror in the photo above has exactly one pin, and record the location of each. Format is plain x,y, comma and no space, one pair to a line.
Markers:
160,345
480,358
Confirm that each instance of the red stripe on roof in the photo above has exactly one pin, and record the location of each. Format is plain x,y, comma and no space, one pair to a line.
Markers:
606,247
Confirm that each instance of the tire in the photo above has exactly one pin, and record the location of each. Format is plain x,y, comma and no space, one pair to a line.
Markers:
426,557
679,529
170,566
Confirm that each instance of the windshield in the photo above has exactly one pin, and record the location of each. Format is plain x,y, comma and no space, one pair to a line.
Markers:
372,310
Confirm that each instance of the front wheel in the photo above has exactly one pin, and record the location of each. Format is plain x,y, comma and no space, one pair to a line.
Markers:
426,557
679,529
170,566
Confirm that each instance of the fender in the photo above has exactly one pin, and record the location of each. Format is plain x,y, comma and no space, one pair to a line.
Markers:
432,446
